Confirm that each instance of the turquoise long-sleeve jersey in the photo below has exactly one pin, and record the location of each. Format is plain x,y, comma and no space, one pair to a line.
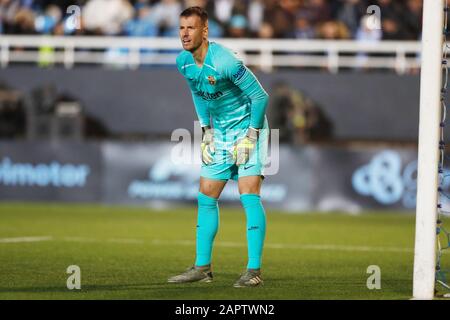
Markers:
225,92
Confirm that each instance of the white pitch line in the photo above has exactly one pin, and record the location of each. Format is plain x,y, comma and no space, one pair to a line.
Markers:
80,239
25,239
112,240
323,247
320,247
326,247
332,247
130,241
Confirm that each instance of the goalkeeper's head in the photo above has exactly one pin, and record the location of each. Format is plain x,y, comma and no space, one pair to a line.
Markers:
193,28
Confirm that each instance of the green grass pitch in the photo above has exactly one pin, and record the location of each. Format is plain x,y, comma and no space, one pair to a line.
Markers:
128,253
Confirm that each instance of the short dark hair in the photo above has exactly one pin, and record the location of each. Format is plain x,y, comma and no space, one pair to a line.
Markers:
195,11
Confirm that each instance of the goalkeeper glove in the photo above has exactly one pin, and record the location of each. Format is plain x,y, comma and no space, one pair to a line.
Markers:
244,148
207,145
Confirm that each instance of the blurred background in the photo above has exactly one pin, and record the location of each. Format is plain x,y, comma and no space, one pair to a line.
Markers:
90,97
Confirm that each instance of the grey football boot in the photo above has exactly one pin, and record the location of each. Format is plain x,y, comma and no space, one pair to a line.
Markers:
250,278
193,274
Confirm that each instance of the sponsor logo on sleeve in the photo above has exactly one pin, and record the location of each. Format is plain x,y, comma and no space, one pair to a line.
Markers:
241,71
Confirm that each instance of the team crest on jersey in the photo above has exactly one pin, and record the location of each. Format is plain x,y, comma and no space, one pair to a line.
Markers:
212,80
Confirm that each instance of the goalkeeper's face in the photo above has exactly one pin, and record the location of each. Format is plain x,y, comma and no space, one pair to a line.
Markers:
192,32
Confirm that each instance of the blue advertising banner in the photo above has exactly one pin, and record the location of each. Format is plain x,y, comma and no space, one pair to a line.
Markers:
50,171
147,174
309,178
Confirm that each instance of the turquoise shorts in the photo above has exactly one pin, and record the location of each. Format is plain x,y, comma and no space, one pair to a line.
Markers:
224,168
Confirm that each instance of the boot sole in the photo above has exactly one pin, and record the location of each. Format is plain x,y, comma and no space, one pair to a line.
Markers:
249,286
205,280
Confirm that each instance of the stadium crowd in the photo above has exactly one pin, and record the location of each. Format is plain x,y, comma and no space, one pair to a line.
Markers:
305,19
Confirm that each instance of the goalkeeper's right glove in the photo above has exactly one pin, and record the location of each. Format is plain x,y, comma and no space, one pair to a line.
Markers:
244,148
207,145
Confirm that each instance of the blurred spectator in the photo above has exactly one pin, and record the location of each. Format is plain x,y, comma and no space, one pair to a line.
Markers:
390,9
46,22
309,122
412,19
266,31
60,30
197,3
223,10
238,26
333,30
299,119
143,24
220,15
12,113
23,22
392,30
8,10
318,11
166,14
369,31
303,27
391,13
255,15
302,19
282,17
215,30
278,111
106,16
350,14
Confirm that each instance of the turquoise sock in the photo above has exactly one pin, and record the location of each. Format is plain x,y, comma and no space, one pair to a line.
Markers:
207,225
256,228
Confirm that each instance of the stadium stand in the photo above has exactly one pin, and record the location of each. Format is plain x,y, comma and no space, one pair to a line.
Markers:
303,19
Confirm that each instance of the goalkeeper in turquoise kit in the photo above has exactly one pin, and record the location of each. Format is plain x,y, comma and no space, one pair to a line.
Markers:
230,105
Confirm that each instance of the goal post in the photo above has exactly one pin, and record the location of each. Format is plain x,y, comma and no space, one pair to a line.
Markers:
428,153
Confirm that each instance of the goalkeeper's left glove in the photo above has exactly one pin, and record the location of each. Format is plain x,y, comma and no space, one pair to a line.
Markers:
207,145
244,148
